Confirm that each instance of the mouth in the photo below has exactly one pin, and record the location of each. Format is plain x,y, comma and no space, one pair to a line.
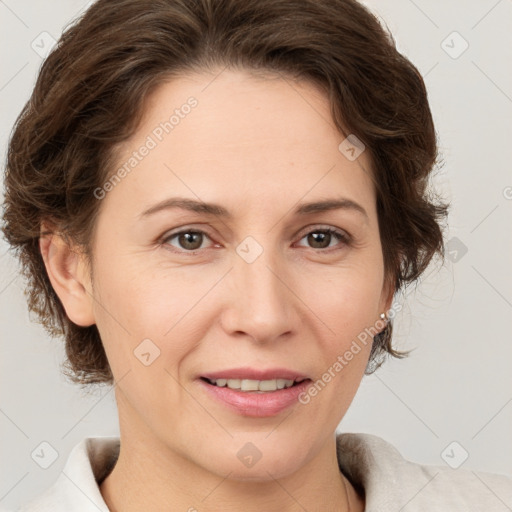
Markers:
255,398
254,386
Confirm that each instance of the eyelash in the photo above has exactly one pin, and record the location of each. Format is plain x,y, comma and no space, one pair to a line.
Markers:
340,235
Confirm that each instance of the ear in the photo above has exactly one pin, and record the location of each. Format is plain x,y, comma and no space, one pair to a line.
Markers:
388,292
69,276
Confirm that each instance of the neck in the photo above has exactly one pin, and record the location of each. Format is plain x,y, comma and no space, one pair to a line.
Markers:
149,476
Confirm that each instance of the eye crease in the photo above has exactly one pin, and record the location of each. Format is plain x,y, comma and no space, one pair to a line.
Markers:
185,236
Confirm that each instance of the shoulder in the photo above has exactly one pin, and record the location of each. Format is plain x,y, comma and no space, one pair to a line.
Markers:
76,488
391,482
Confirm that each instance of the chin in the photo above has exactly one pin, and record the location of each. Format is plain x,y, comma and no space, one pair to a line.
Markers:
262,471
248,461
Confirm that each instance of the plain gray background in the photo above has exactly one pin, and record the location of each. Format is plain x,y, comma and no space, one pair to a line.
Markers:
455,387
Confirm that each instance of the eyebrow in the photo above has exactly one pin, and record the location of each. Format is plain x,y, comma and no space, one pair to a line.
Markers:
219,211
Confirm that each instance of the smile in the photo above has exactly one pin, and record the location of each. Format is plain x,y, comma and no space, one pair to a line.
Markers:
254,385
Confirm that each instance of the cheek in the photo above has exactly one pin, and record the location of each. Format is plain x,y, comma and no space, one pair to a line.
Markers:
347,304
144,339
136,303
348,307
347,301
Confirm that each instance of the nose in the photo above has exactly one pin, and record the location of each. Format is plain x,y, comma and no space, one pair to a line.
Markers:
260,302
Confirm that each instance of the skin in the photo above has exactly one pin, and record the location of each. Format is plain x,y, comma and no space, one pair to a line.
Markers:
257,146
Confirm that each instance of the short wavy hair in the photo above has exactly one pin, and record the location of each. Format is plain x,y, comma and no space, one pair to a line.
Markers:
90,95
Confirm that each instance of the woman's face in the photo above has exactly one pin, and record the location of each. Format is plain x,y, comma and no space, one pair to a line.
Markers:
262,287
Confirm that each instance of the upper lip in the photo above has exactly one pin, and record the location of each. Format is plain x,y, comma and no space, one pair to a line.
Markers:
255,374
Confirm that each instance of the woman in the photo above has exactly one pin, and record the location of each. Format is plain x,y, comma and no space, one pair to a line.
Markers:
215,202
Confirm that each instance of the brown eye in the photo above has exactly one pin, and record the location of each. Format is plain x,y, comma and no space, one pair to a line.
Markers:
322,238
191,241
188,240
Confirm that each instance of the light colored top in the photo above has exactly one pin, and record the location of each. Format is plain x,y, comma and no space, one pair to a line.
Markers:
390,482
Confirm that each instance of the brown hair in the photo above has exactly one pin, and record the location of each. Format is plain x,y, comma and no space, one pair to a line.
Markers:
90,95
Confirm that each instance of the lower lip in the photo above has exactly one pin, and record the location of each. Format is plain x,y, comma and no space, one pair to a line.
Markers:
252,403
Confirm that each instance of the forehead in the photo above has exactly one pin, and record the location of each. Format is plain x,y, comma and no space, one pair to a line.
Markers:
241,138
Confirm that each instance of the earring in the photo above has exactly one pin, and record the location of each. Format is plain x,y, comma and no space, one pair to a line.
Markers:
384,317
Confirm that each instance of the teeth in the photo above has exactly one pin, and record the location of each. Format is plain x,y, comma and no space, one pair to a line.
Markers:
281,383
253,385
